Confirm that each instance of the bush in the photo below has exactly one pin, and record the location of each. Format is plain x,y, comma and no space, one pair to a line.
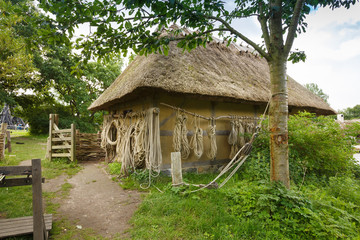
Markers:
37,110
278,213
318,147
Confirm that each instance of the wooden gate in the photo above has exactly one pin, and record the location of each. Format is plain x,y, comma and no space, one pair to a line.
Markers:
61,142
72,144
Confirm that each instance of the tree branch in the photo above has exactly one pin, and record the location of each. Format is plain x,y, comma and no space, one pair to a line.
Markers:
245,39
293,26
264,27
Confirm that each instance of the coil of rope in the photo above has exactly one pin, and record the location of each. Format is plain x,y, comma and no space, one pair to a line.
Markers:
109,132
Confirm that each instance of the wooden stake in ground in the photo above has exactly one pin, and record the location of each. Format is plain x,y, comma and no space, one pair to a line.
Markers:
176,171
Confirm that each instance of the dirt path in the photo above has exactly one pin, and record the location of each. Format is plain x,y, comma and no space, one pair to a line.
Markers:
95,201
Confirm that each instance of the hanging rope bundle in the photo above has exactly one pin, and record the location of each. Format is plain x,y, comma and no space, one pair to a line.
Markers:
249,129
233,136
153,157
241,133
196,142
138,141
106,125
237,161
212,138
180,140
152,141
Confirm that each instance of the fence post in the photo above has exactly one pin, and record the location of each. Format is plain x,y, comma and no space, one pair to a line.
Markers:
3,132
56,119
73,142
8,138
51,127
38,221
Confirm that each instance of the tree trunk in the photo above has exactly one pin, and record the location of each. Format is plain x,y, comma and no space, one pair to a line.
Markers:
278,117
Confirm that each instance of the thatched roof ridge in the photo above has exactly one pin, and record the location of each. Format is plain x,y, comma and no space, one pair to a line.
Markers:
233,72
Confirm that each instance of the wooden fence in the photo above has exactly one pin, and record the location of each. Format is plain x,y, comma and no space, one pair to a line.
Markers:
61,142
88,147
73,144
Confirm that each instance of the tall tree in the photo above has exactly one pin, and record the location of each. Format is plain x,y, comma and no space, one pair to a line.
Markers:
124,24
15,62
314,88
351,113
74,84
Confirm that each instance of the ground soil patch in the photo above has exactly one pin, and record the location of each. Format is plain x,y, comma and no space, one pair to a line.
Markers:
95,201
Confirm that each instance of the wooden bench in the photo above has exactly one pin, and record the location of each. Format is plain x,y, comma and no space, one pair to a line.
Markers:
38,224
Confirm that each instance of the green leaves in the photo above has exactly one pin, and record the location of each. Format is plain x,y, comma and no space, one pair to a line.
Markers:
297,56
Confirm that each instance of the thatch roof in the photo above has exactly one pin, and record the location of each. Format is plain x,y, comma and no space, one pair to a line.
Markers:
231,73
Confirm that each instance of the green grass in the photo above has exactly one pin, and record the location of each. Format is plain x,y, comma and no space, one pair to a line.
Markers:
17,201
248,209
59,166
24,148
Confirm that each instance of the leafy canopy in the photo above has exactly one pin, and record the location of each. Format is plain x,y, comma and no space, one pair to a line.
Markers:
122,24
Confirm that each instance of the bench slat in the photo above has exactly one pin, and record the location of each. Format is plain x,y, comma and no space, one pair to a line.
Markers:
23,225
16,170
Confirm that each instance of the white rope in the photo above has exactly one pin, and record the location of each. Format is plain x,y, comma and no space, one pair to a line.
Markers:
109,132
212,138
196,142
180,140
152,145
244,153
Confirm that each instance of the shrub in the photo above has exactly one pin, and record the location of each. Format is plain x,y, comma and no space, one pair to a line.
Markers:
318,147
278,213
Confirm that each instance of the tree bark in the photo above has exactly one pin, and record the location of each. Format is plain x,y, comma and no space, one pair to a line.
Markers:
278,117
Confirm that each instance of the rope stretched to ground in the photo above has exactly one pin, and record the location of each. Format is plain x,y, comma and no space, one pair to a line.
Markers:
244,153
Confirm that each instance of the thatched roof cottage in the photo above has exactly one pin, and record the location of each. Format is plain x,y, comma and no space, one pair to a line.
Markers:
213,81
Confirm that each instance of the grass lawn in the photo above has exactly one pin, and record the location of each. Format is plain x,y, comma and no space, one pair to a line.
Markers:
24,147
17,201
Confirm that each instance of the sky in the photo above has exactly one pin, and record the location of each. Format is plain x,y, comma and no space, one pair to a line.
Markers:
332,46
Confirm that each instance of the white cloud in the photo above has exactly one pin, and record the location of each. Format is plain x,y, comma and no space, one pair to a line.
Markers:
332,45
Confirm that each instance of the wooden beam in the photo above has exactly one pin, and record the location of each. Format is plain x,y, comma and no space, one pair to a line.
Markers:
62,139
51,125
15,182
73,142
38,223
21,226
60,147
16,170
61,155
62,131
